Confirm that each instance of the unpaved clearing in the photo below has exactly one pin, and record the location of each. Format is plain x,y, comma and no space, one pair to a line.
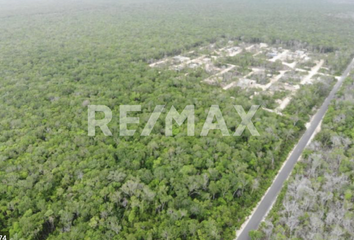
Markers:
288,58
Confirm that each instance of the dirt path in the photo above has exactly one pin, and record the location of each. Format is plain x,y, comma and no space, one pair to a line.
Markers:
279,56
263,87
312,73
236,53
284,103
208,80
272,81
290,65
158,63
192,60
230,85
249,48
272,111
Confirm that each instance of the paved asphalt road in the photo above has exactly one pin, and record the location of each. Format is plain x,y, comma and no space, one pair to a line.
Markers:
275,188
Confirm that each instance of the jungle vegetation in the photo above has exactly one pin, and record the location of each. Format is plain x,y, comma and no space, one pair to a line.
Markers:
57,57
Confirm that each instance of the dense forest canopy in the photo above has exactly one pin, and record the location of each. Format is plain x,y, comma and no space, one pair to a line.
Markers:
56,57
